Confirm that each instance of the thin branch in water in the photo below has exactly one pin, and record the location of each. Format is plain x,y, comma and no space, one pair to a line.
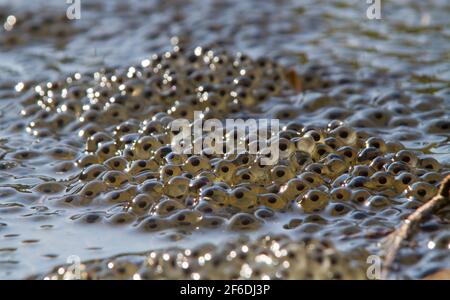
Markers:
409,227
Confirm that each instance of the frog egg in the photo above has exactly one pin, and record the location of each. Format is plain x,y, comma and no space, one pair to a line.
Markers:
281,174
377,202
286,147
260,94
404,180
312,220
129,154
151,127
272,201
169,171
313,201
106,150
177,187
349,153
407,156
116,178
64,167
121,269
321,151
259,188
333,143
290,135
125,128
141,204
73,107
196,164
41,132
62,153
94,142
139,166
115,113
90,218
430,164
73,200
117,163
145,146
225,170
318,168
182,110
152,188
145,176
89,130
161,153
394,146
211,175
243,175
339,209
49,188
312,178
153,223
215,195
377,143
421,191
212,222
336,167
242,199
293,188
87,160
368,155
25,154
293,223
360,196
379,117
299,160
334,124
215,103
359,182
61,120
264,213
398,167
122,218
119,196
91,117
438,126
244,222
382,179
242,159
378,163
128,140
186,218
198,183
176,158
206,207
168,207
92,189
305,144
317,135
92,172
346,134
361,170
341,194
432,178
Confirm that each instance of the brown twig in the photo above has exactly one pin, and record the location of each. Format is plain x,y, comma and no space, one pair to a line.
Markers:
294,80
409,226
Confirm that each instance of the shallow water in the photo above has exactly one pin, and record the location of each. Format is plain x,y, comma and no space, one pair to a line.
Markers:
389,77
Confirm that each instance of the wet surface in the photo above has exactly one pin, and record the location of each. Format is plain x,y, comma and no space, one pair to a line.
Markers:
85,105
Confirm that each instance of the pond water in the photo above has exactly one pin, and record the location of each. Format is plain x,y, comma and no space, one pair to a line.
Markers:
388,79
